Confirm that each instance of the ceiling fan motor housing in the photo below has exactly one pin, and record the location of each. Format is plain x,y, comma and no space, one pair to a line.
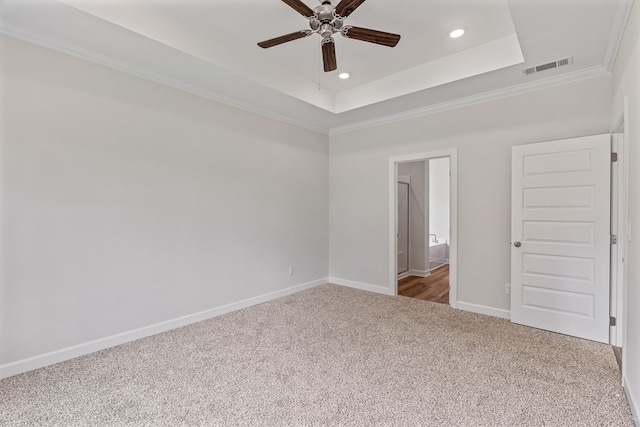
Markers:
324,20
325,13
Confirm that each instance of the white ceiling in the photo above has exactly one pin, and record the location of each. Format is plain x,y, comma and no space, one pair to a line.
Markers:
208,47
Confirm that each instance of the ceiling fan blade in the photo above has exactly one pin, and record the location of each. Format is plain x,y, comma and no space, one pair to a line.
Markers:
286,38
371,36
329,55
300,7
346,7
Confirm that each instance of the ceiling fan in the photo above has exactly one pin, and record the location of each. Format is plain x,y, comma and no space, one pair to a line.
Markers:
327,20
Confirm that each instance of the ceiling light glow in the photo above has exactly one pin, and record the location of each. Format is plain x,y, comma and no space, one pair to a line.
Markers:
343,75
458,32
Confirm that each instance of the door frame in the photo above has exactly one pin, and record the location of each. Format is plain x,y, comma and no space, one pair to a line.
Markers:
619,209
405,180
452,154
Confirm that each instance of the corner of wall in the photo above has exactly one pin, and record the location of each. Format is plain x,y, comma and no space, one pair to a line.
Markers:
359,285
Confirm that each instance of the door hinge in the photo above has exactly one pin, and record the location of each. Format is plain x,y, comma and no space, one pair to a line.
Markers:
614,239
614,157
612,321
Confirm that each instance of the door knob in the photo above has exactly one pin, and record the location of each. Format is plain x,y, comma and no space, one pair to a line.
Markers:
517,244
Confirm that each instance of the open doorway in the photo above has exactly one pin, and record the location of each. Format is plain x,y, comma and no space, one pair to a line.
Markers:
423,263
423,229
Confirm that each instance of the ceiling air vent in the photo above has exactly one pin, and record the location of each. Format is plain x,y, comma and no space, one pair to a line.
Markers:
548,66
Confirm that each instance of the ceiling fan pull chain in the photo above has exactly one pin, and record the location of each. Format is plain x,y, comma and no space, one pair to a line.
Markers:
319,73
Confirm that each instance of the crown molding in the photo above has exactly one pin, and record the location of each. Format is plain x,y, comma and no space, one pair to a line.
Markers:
617,32
615,37
42,40
494,95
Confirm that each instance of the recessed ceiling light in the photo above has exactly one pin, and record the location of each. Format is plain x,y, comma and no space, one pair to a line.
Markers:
458,32
343,75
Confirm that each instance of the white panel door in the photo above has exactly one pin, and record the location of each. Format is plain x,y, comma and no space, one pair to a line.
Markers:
560,238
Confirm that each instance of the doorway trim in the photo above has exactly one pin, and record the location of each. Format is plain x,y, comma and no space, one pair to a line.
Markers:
405,180
452,154
620,209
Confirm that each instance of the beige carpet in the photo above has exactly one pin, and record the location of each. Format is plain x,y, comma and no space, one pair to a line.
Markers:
331,356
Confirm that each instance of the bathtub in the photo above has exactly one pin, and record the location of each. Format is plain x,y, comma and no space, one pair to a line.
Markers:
438,253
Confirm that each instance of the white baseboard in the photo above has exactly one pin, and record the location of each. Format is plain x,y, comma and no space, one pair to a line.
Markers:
633,403
466,306
483,309
420,273
360,285
57,356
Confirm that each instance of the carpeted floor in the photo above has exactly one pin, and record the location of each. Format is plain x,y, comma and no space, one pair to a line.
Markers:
331,356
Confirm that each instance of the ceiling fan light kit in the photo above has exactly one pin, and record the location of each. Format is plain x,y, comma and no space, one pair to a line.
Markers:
326,20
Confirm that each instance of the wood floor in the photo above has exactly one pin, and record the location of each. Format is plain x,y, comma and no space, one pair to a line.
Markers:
434,287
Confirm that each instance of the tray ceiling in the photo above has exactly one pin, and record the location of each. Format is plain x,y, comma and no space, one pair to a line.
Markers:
209,48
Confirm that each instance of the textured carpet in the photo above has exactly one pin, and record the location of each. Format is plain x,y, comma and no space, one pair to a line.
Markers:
331,356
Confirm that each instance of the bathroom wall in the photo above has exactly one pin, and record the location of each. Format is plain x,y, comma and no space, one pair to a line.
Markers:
439,198
418,215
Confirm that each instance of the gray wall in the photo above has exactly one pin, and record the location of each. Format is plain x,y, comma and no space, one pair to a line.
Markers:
126,203
483,135
626,82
